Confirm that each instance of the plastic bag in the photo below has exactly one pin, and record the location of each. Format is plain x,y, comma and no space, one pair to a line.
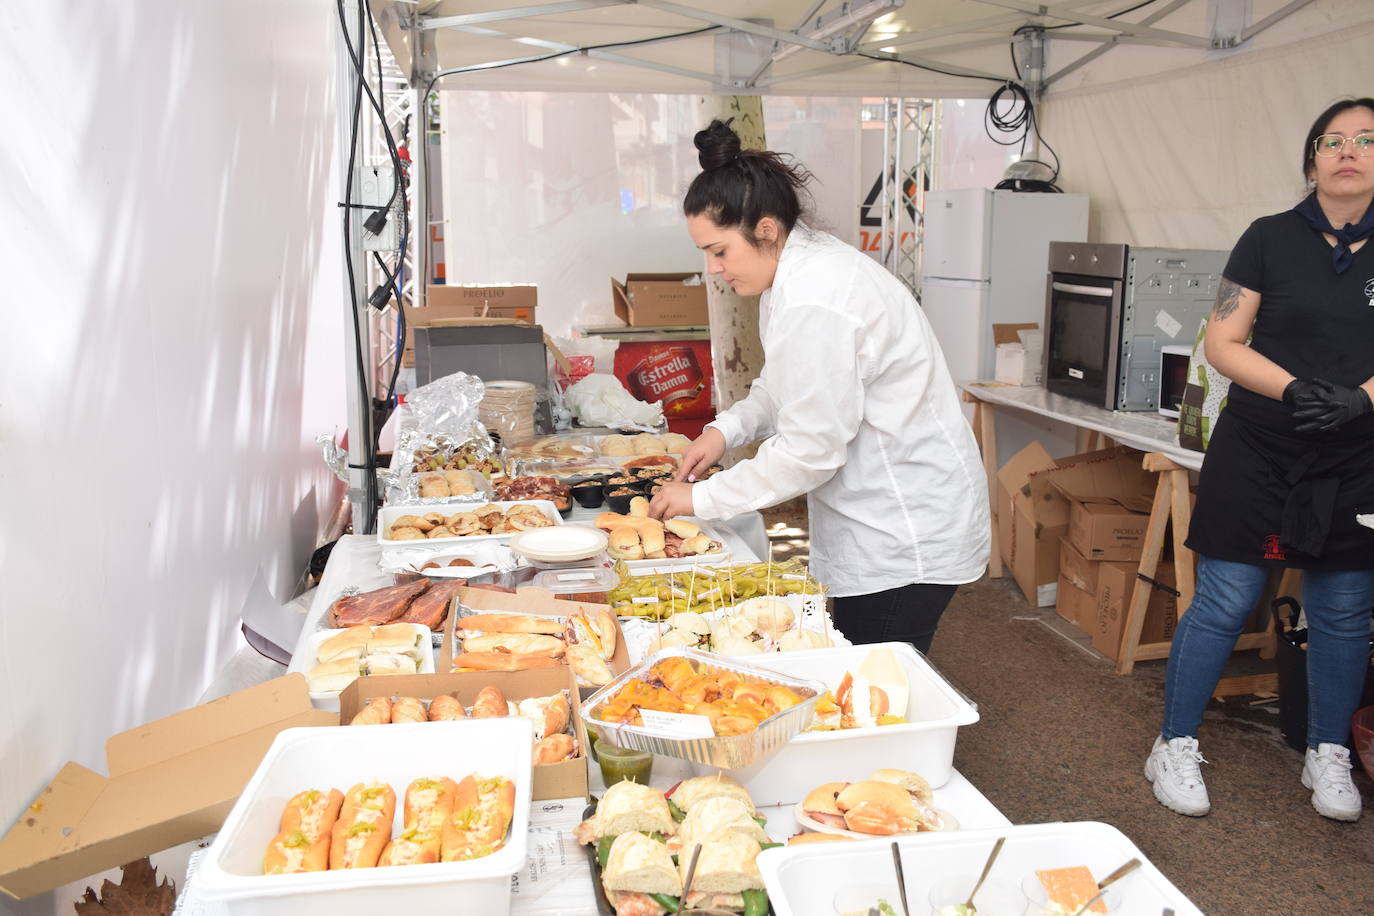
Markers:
600,400
587,355
442,432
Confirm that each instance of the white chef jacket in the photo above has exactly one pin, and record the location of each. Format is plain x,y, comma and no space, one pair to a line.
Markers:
857,410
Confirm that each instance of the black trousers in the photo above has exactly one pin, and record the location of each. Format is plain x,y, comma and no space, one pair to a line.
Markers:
906,614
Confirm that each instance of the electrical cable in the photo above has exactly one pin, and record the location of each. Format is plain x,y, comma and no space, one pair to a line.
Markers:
1019,126
1069,25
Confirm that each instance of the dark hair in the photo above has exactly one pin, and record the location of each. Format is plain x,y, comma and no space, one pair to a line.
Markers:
738,187
1319,127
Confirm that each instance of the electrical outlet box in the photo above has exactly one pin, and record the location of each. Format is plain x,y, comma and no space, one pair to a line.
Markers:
375,186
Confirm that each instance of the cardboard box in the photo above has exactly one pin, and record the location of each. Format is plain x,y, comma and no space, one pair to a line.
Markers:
1077,606
1082,572
171,781
1102,528
490,348
1115,586
1109,510
1019,351
516,301
567,779
528,599
1033,510
656,300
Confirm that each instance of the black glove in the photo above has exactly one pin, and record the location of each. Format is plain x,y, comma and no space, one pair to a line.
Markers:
1299,392
1329,406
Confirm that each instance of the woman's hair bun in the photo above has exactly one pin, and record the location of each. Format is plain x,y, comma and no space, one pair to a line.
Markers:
717,145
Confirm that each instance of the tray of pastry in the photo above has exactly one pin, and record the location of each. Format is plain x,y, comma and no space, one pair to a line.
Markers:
703,708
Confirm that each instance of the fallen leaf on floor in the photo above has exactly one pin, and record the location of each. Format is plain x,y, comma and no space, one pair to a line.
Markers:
138,893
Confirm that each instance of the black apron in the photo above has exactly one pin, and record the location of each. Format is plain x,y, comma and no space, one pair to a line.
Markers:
1270,496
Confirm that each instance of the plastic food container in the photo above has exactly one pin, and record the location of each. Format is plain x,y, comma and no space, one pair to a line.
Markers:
796,877
304,660
720,557
925,744
302,758
730,752
589,584
389,514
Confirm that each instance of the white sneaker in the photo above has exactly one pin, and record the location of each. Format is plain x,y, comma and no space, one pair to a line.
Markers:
1326,771
1173,768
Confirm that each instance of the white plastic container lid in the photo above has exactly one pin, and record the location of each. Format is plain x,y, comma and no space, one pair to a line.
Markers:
561,544
585,579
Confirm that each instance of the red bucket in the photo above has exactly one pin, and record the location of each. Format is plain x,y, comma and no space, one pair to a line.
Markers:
1362,733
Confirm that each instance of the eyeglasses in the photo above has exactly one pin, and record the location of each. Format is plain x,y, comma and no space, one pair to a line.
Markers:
1331,145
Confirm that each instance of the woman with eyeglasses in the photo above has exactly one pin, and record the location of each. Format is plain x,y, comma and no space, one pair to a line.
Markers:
1290,463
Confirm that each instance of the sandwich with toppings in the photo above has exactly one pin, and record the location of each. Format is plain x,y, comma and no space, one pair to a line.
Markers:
482,811
364,826
306,826
639,877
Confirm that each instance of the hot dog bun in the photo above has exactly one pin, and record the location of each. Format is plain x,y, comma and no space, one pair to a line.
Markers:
481,816
445,709
306,826
408,709
490,704
376,712
554,749
364,826
511,623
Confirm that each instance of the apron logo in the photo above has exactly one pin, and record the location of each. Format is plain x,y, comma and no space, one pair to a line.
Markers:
1369,291
1273,550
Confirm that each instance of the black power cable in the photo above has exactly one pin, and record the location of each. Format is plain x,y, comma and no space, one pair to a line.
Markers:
1069,25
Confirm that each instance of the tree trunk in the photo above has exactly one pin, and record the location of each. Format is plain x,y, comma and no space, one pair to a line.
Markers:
736,352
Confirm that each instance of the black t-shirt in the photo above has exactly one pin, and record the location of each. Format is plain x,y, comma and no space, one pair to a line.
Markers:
1311,321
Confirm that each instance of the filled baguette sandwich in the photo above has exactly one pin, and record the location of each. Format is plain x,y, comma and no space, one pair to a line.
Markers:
364,826
727,875
627,807
482,812
698,789
303,841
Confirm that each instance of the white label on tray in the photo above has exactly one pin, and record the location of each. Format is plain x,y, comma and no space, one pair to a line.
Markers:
575,577
707,596
644,599
677,592
677,725
796,577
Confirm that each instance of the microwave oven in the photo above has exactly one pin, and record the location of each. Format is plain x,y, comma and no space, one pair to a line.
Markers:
1109,309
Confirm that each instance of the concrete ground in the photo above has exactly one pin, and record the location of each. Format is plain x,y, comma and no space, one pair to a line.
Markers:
1063,738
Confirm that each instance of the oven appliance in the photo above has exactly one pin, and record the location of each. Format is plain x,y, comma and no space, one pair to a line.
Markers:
1109,309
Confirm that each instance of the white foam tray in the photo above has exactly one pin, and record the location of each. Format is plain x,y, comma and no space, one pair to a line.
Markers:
389,514
803,880
303,758
925,744
306,651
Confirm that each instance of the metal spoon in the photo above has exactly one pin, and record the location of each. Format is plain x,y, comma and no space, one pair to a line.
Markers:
992,857
1115,876
687,882
901,878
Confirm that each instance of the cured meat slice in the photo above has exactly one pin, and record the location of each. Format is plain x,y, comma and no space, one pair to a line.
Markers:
376,607
431,608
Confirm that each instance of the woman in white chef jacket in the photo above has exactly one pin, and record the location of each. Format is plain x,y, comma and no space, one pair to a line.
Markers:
854,405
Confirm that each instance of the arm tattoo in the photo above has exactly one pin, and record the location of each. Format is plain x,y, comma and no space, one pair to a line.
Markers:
1228,298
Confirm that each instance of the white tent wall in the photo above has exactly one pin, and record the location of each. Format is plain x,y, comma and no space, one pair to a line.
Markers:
567,190
174,340
1189,158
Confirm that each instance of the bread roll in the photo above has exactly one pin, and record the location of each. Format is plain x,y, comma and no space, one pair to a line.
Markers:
914,783
549,714
640,865
412,847
879,808
589,666
623,544
628,806
820,803
329,677
376,712
364,826
639,506
429,802
803,838
554,749
652,539
408,709
351,643
482,813
490,704
396,637
306,826
719,814
376,664
446,709
511,623
694,791
517,643
727,864
502,661
682,528
696,545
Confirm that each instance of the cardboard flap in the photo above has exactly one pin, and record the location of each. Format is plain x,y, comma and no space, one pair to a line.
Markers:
50,822
661,278
1113,474
459,322
215,722
1008,333
529,599
1015,474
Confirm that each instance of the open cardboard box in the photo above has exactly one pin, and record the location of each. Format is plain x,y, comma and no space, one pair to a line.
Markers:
649,300
170,781
1033,511
529,599
567,779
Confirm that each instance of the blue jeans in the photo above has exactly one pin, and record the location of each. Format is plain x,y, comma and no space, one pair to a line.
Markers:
1338,607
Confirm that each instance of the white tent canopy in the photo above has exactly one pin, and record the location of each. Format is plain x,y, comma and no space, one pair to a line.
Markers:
818,47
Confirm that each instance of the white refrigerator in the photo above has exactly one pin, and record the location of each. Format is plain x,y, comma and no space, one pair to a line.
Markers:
986,257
